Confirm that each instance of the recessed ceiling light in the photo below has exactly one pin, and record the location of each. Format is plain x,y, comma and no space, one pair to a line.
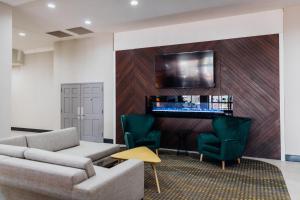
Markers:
134,2
51,5
22,34
88,22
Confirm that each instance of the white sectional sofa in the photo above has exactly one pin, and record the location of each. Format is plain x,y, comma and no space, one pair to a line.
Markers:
56,165
65,141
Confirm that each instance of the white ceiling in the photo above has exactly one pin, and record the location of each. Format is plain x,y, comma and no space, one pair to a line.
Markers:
16,2
35,18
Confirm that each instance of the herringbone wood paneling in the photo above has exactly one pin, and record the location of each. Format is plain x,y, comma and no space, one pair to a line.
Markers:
247,68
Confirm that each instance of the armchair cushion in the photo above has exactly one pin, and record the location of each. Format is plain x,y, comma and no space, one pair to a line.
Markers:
211,148
144,142
208,138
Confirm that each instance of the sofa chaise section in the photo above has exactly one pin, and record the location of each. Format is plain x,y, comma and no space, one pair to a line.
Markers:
67,141
92,150
49,175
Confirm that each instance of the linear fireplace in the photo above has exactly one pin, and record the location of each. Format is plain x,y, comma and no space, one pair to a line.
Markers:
190,106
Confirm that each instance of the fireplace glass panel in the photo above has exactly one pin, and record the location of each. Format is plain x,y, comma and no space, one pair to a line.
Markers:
190,105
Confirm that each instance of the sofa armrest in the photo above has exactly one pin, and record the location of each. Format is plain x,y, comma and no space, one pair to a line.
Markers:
124,181
129,140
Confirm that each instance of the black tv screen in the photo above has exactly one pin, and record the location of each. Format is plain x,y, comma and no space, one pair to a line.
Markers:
185,70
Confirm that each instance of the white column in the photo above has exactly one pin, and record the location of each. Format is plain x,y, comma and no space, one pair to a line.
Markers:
5,68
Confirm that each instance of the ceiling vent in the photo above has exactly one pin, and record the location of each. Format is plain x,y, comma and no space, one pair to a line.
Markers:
18,58
59,34
80,30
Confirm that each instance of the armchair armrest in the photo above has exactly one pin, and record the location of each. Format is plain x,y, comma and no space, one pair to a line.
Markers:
129,140
124,181
155,136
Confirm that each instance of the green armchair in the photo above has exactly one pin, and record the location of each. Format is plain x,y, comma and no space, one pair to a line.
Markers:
137,130
227,142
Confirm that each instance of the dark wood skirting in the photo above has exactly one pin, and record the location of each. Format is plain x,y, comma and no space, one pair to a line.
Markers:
32,130
247,68
292,158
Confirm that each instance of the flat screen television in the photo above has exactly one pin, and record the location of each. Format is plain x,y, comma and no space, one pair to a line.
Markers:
185,70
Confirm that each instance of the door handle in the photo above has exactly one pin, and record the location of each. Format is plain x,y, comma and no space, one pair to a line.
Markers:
78,112
82,112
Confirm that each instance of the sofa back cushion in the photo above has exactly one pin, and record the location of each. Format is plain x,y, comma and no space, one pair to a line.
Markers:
15,141
54,140
12,151
40,177
61,159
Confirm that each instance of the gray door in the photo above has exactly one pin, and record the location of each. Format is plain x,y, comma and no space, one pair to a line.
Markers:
86,104
92,112
70,106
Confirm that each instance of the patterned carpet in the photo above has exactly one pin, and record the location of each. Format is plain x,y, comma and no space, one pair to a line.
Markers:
184,177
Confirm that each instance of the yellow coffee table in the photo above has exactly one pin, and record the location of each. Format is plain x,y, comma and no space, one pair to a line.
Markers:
141,153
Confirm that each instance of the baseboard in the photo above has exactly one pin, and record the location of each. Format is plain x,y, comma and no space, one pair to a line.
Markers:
178,151
292,158
33,130
108,141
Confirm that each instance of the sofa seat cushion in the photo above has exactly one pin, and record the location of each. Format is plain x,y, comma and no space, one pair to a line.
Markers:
54,140
12,151
40,177
15,141
3,157
61,159
94,151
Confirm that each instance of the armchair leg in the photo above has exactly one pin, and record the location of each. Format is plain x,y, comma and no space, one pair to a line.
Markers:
239,161
156,151
201,157
223,165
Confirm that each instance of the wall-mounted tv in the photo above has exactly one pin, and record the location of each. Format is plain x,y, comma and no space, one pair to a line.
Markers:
185,70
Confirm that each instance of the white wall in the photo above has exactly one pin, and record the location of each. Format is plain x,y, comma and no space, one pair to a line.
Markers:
262,23
291,79
87,60
36,86
5,68
33,92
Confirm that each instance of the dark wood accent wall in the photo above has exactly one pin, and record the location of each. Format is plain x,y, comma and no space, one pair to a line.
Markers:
247,68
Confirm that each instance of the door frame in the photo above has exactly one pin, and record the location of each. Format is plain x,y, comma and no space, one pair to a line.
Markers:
82,83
